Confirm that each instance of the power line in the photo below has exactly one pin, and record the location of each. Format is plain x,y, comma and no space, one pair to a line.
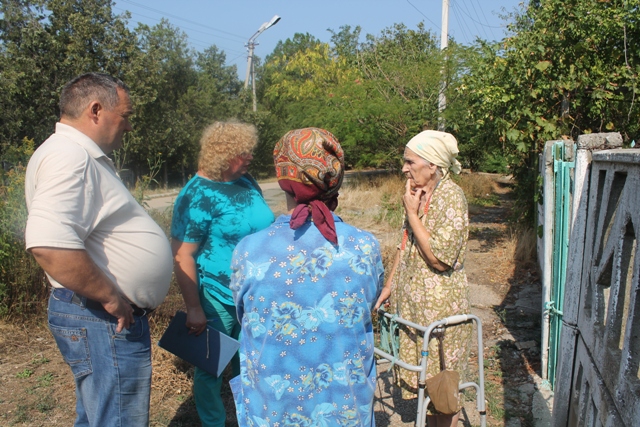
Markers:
200,43
477,32
191,39
425,16
234,59
461,24
485,19
484,25
182,19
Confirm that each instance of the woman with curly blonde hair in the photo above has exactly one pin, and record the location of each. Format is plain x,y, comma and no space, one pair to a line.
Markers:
219,206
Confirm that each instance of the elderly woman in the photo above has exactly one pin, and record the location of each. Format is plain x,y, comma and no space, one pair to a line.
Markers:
219,206
427,281
304,289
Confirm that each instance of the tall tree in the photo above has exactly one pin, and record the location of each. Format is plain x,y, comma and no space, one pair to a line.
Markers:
570,67
161,136
44,44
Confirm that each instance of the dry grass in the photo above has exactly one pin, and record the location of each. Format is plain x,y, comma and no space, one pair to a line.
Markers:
170,374
374,204
525,250
476,186
521,245
365,201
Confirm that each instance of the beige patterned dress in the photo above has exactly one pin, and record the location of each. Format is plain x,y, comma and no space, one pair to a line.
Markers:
422,294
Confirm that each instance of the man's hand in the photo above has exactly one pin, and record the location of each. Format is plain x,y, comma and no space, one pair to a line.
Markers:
121,310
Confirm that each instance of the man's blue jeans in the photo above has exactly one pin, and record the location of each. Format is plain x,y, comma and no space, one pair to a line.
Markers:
112,370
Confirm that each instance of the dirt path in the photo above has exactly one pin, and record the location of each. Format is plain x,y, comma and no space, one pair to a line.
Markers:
38,390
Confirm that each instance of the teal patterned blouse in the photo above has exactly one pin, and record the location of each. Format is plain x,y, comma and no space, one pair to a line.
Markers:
217,215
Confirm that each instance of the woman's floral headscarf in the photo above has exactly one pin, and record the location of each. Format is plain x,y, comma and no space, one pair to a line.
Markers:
310,167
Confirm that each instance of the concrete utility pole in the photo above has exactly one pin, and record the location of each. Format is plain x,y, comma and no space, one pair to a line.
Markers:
251,71
444,42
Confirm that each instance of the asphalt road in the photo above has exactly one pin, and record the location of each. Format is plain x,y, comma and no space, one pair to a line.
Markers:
271,191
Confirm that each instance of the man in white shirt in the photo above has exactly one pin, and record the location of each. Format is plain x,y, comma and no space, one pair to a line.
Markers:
108,262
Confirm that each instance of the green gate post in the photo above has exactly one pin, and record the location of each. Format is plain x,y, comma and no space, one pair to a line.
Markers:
563,189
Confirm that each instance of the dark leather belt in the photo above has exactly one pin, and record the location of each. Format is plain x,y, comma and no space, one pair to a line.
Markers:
94,305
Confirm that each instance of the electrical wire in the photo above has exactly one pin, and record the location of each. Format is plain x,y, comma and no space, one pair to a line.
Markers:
235,58
182,19
484,25
475,12
191,39
486,20
425,16
477,31
462,24
463,27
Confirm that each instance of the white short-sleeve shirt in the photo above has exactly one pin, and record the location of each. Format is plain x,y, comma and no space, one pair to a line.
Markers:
76,200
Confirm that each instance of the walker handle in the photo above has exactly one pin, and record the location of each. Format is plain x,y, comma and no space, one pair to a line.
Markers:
454,320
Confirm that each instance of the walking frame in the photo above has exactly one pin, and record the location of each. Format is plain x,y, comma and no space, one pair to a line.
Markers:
423,398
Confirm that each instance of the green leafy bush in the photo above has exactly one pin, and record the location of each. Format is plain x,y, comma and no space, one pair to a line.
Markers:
23,287
494,163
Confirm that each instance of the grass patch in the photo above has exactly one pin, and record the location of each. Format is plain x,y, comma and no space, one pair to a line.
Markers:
25,373
493,392
45,380
478,188
488,200
22,415
45,403
39,360
502,315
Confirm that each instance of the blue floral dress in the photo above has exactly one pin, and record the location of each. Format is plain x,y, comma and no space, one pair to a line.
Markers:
306,351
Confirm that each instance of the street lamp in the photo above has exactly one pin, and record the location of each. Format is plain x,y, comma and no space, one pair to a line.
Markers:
250,65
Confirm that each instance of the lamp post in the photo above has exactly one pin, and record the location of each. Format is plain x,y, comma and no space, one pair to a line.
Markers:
250,65
444,43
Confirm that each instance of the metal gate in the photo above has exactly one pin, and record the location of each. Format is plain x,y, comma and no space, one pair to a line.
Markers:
598,377
563,163
557,163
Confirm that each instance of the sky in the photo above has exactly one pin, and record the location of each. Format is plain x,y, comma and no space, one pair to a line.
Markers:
230,23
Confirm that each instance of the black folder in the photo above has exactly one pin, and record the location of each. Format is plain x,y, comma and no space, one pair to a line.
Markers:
210,351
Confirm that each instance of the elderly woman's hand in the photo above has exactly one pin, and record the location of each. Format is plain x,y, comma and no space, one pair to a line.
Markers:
411,198
383,298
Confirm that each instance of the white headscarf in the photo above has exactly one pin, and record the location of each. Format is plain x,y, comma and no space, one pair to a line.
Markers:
439,148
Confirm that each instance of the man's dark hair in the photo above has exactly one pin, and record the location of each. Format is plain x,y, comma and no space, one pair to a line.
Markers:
80,91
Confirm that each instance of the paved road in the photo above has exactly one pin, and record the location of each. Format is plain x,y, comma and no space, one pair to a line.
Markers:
271,190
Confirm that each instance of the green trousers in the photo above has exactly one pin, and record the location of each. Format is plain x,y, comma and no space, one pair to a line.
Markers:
206,387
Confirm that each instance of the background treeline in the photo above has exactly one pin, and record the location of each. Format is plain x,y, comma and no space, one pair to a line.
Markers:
567,67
